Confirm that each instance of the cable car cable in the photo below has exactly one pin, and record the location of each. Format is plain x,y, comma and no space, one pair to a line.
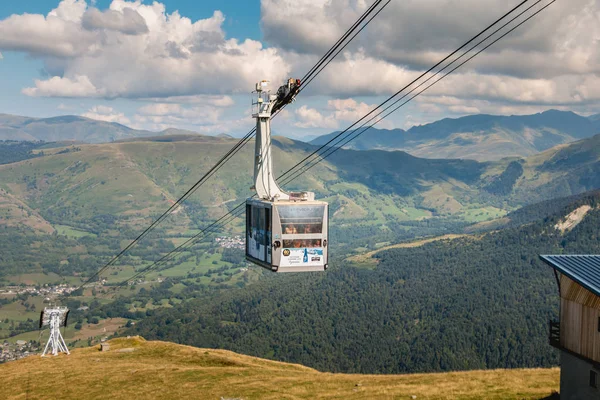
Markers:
167,257
344,37
332,149
340,50
313,72
233,214
445,75
411,83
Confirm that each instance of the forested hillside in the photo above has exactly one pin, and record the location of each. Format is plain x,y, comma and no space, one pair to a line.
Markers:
67,210
474,302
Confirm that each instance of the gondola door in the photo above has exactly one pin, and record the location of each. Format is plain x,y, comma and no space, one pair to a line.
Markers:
258,233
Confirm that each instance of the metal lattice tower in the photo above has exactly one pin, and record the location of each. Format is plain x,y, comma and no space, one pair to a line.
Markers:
55,317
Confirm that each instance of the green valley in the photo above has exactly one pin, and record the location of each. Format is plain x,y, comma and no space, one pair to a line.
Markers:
76,206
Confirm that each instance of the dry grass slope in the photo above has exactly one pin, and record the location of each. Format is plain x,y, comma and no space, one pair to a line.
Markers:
368,257
135,368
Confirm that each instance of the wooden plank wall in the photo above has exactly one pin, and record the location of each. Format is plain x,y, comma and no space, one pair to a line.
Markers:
571,290
570,325
579,313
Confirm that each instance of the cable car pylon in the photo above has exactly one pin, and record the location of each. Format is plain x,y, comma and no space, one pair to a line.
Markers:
285,232
54,317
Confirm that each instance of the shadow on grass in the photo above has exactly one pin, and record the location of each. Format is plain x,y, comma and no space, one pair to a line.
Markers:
553,396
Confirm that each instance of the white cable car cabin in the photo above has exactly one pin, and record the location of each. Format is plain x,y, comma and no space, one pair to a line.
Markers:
285,232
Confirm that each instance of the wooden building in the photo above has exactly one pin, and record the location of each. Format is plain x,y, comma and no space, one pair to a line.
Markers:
577,333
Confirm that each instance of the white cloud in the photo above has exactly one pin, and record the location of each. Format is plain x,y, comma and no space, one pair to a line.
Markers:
311,118
552,60
189,120
57,35
136,50
105,113
304,26
80,86
216,100
562,39
339,113
177,113
348,109
127,21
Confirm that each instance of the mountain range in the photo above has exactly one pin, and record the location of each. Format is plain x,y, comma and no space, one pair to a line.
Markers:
375,196
71,128
66,210
480,137
477,137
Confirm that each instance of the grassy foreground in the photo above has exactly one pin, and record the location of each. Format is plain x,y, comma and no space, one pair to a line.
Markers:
139,369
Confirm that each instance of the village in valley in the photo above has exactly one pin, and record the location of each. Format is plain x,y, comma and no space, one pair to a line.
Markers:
231,242
17,350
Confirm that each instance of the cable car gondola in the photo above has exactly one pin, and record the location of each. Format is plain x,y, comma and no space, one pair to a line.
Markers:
285,232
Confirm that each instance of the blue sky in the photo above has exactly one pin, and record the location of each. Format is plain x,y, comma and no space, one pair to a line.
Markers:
242,15
146,66
18,70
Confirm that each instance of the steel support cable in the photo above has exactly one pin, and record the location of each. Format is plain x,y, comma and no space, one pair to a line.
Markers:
233,214
448,73
348,138
334,149
344,37
230,216
164,215
327,58
340,50
313,72
407,86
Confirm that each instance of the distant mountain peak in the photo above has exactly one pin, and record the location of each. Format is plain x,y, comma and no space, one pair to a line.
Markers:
482,137
595,117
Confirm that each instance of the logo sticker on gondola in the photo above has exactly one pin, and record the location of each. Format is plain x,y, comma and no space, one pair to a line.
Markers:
302,256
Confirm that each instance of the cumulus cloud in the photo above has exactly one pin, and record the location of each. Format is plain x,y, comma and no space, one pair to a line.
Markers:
179,113
216,100
337,112
188,70
348,109
205,120
311,118
416,34
136,50
552,60
127,21
58,34
79,86
105,113
307,26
